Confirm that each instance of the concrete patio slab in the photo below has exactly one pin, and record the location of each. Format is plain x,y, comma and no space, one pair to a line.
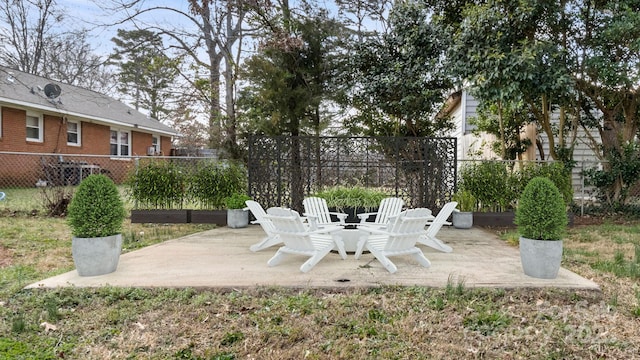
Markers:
221,258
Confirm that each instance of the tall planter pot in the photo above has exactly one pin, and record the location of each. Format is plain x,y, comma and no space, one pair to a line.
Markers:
237,218
96,256
540,258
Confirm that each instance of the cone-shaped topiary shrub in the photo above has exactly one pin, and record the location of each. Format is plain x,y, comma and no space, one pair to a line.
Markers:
96,209
541,213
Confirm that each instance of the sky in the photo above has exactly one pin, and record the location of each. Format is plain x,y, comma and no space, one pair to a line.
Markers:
89,14
102,23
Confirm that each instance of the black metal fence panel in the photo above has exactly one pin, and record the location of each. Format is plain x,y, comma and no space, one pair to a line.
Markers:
284,169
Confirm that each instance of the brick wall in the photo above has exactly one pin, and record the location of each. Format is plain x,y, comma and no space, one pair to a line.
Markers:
95,141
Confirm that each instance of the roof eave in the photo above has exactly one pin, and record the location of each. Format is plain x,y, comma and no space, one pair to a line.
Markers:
84,116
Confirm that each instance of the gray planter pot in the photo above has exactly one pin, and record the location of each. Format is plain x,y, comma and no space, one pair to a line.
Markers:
96,256
540,258
462,219
237,218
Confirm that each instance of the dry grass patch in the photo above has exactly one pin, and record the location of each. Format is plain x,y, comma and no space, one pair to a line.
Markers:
395,323
278,323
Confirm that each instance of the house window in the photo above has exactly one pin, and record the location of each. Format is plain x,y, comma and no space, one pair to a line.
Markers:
120,143
155,143
34,128
73,133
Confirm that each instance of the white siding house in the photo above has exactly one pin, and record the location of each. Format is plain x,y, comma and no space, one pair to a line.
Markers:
462,107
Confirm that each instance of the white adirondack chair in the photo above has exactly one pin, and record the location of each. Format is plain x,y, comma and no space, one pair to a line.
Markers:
389,207
258,212
2,195
398,239
318,214
300,240
430,239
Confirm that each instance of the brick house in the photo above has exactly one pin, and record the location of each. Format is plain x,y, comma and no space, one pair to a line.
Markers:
41,116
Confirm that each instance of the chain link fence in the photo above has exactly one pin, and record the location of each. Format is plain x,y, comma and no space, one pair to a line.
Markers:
597,190
34,182
25,178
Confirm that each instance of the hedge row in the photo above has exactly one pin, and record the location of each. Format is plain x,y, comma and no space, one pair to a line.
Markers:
165,184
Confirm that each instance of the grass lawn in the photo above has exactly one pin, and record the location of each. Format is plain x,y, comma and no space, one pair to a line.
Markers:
278,323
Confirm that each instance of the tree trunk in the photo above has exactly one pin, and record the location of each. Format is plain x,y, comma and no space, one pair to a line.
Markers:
215,60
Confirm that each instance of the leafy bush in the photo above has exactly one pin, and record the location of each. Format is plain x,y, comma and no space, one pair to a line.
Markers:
465,199
619,177
556,172
158,185
496,186
341,197
236,201
491,183
165,185
96,209
212,183
541,213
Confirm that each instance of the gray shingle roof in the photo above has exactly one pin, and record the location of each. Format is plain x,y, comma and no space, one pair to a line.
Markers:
27,90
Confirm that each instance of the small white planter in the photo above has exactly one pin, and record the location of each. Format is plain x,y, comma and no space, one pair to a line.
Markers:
462,219
237,218
96,256
541,258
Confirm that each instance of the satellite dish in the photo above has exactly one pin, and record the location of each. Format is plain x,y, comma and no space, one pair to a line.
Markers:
52,91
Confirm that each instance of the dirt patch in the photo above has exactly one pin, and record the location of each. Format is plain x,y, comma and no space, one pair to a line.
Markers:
6,259
587,220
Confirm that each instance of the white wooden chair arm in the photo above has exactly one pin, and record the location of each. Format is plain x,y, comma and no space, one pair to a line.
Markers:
373,230
364,216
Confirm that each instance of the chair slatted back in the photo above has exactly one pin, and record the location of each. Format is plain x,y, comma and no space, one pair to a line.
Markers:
406,228
389,207
442,217
258,212
288,224
318,208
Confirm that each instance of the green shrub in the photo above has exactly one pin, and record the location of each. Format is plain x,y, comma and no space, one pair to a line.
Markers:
211,183
491,183
465,199
556,172
236,201
158,185
496,186
541,213
341,197
165,185
96,209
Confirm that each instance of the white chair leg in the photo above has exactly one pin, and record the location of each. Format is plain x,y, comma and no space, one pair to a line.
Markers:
421,259
435,243
309,264
337,239
390,266
267,242
276,259
361,243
